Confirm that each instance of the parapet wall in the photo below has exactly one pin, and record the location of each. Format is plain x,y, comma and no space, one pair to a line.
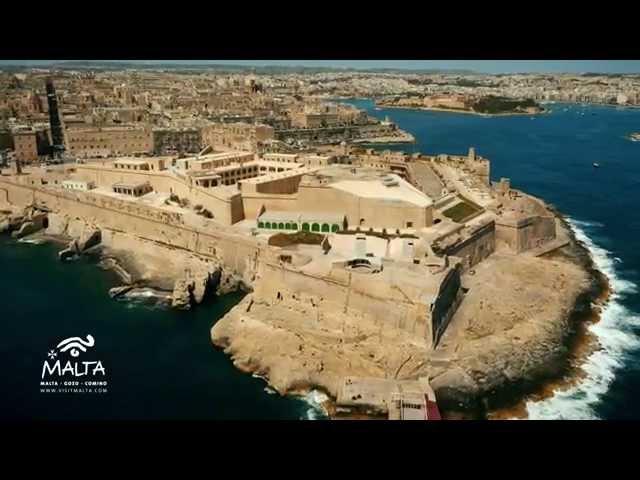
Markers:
226,209
479,245
239,253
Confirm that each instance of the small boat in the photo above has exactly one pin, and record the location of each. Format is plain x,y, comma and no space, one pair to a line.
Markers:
596,165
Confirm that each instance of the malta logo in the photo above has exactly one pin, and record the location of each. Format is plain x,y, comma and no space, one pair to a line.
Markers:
76,343
68,366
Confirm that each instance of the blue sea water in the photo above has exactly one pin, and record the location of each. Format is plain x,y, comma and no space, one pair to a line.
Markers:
552,156
161,364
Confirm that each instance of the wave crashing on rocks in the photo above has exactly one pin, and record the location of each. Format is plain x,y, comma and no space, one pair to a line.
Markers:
615,337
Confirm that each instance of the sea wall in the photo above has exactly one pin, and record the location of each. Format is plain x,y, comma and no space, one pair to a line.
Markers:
239,253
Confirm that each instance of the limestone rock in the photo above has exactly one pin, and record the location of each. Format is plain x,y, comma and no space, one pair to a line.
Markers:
181,297
455,389
70,252
11,222
57,224
90,237
118,291
76,227
200,287
228,282
27,228
5,224
109,263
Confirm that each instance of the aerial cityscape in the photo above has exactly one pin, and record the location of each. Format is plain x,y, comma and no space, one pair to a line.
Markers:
314,242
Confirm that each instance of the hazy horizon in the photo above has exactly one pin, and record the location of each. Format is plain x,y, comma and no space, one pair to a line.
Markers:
480,66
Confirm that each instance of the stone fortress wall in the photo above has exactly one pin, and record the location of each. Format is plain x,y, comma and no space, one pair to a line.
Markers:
524,234
226,209
389,304
238,252
531,226
479,244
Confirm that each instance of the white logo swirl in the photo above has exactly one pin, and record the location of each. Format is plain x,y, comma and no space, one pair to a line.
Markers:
76,343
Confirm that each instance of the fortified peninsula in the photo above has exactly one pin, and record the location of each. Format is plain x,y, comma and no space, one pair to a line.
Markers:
372,276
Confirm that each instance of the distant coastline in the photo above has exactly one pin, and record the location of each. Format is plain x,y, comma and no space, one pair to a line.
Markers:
467,112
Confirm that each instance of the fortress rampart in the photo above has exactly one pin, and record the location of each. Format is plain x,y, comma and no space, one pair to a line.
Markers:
225,209
238,252
389,302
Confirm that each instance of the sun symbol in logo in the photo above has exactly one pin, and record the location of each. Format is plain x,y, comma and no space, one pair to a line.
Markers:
52,354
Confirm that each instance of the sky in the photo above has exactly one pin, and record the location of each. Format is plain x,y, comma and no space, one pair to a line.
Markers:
481,66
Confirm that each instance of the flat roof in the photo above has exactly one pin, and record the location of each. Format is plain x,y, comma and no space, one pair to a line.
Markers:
207,174
219,156
130,185
132,161
267,177
401,191
287,155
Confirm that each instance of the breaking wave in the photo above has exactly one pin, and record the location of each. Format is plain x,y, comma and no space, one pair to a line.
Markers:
315,400
615,336
33,241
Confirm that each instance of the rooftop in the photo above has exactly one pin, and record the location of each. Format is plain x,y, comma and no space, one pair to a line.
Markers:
390,187
130,185
279,175
131,161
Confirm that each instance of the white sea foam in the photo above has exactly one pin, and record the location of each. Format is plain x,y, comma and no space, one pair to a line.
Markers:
615,336
145,293
316,411
33,241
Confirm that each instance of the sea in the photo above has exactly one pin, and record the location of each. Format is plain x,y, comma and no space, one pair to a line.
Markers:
161,365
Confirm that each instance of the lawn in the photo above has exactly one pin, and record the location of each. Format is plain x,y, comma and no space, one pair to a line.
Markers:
460,211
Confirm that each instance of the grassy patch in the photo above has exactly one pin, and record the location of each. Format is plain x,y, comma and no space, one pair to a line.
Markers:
462,210
287,239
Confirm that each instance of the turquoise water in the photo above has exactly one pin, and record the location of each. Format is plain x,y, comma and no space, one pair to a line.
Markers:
160,363
552,156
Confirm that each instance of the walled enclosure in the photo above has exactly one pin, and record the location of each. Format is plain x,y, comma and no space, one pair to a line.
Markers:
226,210
390,304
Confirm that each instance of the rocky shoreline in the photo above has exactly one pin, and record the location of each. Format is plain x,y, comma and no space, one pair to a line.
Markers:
578,342
294,364
141,266
557,364
489,377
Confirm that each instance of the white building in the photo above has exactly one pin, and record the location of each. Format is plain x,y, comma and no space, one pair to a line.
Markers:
78,185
